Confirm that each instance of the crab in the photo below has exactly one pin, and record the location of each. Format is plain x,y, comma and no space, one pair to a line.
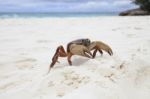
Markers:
81,47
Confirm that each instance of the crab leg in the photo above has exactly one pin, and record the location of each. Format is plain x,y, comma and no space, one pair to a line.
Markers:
87,53
60,52
69,58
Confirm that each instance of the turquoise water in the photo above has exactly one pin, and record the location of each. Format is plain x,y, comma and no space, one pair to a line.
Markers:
46,15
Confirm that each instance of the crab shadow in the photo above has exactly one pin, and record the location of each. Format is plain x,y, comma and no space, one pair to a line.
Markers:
80,61
75,62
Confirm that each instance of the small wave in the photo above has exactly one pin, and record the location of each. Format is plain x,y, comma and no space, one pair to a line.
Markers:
55,14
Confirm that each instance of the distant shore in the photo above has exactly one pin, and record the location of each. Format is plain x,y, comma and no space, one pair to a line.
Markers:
134,12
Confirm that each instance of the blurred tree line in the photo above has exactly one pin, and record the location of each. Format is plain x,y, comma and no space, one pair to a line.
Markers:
144,4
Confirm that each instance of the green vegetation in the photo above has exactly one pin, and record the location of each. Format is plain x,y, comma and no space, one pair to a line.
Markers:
144,4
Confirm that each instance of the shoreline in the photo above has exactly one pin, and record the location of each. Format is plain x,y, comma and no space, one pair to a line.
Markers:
52,15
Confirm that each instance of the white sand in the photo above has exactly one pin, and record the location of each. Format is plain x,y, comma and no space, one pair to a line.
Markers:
27,46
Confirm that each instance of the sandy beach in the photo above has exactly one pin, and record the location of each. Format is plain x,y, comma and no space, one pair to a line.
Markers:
28,44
